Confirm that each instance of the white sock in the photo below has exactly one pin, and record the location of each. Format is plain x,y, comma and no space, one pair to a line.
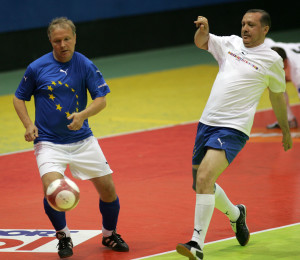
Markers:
205,204
224,204
66,231
106,233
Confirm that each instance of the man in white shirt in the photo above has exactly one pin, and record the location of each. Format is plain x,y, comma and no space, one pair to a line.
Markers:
246,68
290,53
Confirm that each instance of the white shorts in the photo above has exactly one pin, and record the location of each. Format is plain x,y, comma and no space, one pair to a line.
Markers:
85,158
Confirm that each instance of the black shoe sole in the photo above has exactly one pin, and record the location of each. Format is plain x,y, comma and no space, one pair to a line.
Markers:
182,250
65,256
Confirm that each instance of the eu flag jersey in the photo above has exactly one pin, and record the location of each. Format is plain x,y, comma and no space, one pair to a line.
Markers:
59,89
244,73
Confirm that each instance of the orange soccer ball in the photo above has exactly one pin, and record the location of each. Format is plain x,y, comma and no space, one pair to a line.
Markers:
63,194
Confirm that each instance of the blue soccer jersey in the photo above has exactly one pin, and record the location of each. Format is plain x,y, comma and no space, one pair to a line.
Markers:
59,89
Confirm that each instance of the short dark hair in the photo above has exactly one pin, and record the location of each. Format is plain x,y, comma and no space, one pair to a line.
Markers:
280,51
265,19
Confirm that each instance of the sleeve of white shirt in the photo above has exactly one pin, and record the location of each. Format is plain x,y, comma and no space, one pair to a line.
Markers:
277,77
215,47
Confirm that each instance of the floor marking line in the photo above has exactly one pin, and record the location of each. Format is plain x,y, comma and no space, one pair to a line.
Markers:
221,240
118,134
145,130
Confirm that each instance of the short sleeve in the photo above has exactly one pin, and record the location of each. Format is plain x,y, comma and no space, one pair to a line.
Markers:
218,46
215,46
277,77
27,85
95,82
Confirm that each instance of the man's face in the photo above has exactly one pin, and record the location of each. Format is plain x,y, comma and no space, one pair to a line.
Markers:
253,33
63,42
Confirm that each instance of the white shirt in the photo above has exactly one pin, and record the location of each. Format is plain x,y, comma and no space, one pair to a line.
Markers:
244,74
292,51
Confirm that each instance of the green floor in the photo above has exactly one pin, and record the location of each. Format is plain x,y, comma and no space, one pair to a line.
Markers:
266,245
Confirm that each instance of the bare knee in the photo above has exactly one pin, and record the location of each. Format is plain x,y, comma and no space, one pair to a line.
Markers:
205,182
105,187
50,177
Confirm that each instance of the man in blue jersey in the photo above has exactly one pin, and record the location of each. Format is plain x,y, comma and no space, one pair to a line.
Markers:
59,82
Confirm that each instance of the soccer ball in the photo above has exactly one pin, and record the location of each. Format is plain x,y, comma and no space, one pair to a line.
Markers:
62,194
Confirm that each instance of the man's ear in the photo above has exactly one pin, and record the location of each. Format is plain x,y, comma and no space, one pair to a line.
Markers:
266,29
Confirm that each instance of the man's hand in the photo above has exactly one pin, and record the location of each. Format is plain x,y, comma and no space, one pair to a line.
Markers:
287,141
202,24
31,133
77,121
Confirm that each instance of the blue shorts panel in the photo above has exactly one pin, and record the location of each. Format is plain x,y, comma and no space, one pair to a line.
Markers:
223,138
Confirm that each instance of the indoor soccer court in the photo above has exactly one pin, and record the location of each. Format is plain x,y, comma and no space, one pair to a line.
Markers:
147,134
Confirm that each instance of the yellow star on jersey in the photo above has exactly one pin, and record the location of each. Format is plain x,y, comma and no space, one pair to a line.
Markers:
77,109
53,83
59,82
51,97
66,85
50,88
76,96
68,114
73,90
58,107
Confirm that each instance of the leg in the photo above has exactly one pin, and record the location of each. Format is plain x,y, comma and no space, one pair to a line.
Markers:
108,204
105,187
58,219
50,177
212,165
225,205
214,149
236,215
222,202
109,207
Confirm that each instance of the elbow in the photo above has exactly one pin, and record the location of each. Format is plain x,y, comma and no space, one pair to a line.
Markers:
15,101
201,44
103,103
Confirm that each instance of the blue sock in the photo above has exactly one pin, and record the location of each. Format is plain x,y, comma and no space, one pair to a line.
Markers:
57,218
110,213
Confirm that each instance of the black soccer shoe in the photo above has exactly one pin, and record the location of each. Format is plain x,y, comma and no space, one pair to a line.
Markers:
191,250
115,242
240,227
65,245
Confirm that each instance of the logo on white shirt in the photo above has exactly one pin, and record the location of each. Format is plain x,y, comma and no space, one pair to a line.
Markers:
237,57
